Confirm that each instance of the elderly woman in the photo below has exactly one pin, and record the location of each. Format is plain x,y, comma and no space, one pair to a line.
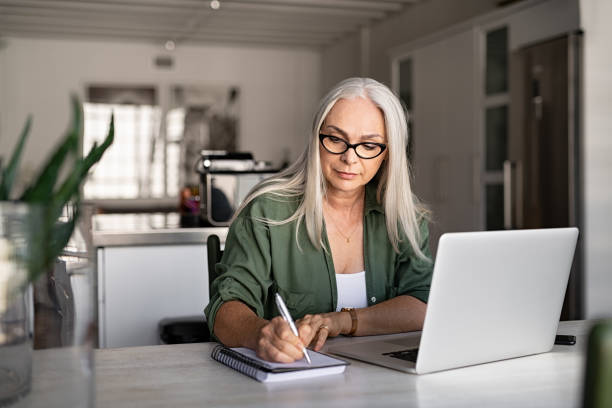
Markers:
339,235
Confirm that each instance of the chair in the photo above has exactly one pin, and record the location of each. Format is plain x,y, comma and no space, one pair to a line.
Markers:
192,329
213,248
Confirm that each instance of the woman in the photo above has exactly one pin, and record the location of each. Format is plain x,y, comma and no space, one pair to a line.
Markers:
339,235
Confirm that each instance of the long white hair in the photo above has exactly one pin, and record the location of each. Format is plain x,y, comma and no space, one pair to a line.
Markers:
304,178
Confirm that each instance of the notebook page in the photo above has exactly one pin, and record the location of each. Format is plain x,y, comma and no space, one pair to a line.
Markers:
318,360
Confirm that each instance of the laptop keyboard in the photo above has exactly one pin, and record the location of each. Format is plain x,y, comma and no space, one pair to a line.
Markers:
408,355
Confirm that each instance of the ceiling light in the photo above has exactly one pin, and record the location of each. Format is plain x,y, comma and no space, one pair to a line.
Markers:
170,45
215,4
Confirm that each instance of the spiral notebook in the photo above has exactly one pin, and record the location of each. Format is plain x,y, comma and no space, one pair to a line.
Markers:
244,360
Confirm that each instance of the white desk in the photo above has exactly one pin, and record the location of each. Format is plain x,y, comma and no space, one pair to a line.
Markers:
186,376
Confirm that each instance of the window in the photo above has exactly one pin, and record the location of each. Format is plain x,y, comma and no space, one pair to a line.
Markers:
155,150
133,164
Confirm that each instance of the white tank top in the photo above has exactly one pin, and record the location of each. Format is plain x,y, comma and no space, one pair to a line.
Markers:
351,290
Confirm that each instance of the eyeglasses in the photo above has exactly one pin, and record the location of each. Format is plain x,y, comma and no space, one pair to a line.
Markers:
365,150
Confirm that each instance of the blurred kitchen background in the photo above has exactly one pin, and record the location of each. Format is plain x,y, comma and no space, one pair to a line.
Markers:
509,106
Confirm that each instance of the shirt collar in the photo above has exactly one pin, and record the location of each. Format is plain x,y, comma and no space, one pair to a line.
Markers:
371,204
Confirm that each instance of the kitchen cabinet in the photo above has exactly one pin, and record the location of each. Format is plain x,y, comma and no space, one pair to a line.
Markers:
148,268
140,285
446,149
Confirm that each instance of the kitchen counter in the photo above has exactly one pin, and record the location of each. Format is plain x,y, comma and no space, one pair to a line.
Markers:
149,267
111,230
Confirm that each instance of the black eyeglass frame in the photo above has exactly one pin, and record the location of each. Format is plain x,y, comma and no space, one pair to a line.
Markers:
352,146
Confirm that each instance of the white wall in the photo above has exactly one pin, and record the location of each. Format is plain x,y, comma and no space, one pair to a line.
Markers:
341,60
543,20
279,87
596,18
417,21
431,17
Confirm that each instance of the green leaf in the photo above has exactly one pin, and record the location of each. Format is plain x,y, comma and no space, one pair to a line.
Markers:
48,244
61,233
49,237
71,185
41,190
9,173
69,189
95,154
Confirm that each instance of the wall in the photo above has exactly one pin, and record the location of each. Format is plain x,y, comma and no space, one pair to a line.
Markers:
543,20
417,21
433,16
597,154
279,87
342,60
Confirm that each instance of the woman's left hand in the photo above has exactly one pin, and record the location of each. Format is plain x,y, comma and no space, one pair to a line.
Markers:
315,329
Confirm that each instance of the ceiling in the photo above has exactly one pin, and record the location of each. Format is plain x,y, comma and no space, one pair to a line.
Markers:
310,23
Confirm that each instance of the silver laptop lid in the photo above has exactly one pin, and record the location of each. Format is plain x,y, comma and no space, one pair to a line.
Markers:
495,295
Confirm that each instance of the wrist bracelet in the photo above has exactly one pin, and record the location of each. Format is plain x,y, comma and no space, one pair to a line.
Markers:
354,320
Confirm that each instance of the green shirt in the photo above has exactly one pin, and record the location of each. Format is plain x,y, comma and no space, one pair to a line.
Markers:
260,259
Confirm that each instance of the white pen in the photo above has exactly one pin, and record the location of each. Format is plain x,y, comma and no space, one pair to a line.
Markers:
280,304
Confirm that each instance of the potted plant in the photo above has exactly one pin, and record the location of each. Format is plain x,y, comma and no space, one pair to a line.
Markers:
34,229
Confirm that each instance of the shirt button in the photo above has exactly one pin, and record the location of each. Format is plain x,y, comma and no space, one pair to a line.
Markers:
373,299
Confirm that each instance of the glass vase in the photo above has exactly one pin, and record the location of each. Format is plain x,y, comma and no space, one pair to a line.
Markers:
59,321
16,223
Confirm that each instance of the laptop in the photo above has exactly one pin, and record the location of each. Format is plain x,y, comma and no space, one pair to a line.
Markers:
494,295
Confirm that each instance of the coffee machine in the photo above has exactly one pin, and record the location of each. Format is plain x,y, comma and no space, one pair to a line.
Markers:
225,180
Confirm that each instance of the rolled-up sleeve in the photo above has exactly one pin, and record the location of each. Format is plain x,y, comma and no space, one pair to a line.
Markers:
414,273
244,270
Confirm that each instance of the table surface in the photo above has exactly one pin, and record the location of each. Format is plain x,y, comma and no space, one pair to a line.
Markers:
186,376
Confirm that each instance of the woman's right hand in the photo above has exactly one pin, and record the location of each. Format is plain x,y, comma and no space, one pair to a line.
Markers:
275,342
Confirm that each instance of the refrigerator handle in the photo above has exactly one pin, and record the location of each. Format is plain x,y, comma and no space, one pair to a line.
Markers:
509,167
513,194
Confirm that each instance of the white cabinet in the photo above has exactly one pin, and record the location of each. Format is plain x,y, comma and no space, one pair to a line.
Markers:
140,285
446,157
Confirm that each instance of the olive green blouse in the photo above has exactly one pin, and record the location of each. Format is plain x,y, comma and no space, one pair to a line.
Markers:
260,259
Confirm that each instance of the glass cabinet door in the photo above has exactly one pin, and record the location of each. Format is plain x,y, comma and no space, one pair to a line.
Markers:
495,116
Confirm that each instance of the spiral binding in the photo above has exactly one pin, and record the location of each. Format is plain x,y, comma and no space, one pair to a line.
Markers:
237,361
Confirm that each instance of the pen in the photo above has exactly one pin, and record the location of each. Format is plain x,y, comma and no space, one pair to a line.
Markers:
280,304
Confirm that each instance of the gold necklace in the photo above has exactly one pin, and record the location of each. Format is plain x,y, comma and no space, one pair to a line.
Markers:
348,239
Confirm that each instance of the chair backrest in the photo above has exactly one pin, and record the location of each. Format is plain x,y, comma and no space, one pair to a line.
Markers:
214,252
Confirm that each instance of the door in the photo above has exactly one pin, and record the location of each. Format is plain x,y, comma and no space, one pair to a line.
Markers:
541,175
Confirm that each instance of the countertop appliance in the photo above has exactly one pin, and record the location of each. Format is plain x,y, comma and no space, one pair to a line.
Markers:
225,180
